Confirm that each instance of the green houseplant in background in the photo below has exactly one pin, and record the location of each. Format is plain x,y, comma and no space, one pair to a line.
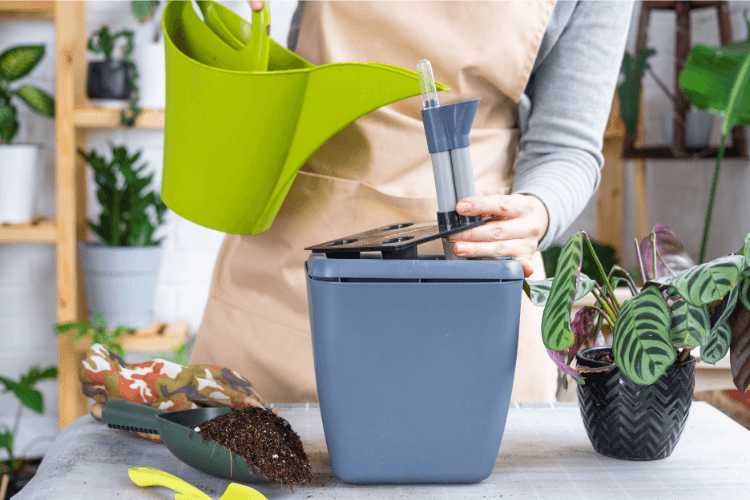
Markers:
144,10
18,162
21,470
99,332
120,271
718,80
697,123
111,78
635,395
629,91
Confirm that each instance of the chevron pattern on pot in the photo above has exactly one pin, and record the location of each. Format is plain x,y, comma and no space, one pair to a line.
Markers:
635,422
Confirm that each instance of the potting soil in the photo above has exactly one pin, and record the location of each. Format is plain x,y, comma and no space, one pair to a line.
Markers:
603,357
264,440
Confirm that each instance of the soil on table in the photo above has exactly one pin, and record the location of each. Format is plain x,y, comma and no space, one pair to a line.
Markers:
264,440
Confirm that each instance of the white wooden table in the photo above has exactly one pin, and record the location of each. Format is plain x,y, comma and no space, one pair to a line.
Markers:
545,454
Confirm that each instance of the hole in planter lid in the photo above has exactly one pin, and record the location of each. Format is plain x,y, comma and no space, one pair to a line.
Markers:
396,226
340,242
398,240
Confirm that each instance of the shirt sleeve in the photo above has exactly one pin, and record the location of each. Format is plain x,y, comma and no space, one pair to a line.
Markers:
566,106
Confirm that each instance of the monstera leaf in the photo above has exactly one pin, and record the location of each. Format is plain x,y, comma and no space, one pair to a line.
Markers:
709,282
539,290
642,344
690,325
556,332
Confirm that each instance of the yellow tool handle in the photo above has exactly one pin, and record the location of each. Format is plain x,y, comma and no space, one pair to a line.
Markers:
146,476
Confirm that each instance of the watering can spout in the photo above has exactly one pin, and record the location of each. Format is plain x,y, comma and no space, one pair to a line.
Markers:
338,94
239,127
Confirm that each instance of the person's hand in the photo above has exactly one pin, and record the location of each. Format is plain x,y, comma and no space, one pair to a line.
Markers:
256,5
518,223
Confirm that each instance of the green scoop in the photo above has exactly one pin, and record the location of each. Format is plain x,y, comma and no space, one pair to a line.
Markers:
236,134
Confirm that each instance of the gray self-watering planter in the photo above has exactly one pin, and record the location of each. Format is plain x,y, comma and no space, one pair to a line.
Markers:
120,282
414,363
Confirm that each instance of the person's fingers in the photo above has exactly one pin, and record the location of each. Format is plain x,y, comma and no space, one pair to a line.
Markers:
521,250
505,206
528,267
508,248
497,230
256,5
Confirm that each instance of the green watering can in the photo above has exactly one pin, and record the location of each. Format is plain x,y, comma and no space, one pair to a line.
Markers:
244,114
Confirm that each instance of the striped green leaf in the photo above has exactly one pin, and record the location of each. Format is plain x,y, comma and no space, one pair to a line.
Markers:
540,289
744,287
690,325
717,345
556,332
642,345
728,303
709,282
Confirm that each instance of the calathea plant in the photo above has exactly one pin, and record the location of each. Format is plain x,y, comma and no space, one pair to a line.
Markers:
672,313
130,214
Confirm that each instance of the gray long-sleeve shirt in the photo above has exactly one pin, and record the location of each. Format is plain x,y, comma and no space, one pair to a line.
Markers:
565,106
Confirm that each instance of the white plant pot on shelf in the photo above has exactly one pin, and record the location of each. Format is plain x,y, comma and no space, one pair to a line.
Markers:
698,125
149,61
18,175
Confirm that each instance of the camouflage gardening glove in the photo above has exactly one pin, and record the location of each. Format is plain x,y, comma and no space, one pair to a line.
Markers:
162,384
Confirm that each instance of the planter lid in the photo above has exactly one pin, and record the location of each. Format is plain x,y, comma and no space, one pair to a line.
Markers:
428,267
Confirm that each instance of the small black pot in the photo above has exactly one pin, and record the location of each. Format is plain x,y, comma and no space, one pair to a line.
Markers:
108,80
629,421
22,476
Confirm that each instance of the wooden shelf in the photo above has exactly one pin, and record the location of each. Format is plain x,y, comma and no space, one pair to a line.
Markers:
157,337
29,10
91,117
665,153
31,232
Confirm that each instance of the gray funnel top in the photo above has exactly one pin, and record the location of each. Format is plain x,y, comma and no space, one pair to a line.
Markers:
447,127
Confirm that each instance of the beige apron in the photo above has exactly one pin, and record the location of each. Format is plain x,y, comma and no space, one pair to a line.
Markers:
376,171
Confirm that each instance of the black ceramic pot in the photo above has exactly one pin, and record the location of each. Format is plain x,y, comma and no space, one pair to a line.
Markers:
629,421
108,80
22,477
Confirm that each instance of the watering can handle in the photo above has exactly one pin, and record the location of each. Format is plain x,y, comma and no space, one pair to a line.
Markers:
251,40
259,33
